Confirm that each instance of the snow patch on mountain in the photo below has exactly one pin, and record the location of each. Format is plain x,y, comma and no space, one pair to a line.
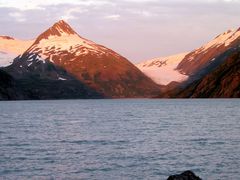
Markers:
61,79
235,35
225,39
163,70
65,42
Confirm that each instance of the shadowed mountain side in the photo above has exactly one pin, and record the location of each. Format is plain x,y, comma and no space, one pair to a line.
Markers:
44,80
222,82
40,89
173,89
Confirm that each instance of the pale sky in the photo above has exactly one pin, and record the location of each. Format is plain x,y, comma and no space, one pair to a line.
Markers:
137,29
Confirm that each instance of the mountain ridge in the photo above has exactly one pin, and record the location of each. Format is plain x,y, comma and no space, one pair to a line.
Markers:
192,65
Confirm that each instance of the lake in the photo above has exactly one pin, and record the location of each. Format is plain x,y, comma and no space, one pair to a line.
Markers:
119,139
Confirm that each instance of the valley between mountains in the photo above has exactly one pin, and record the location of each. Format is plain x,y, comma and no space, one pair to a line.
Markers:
60,64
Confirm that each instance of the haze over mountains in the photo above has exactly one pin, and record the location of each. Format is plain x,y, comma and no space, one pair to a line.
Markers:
60,64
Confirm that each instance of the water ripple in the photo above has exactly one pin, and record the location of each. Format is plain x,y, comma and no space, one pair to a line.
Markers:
119,139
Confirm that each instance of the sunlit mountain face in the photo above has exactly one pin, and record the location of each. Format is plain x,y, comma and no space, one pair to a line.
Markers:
187,67
60,54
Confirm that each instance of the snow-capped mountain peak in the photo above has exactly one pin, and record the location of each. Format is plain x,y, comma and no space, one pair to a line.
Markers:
180,67
61,40
203,56
60,28
225,39
61,45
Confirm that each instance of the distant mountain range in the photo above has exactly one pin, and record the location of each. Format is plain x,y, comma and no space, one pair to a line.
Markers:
60,64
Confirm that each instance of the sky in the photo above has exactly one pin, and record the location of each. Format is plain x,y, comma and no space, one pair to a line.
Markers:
137,29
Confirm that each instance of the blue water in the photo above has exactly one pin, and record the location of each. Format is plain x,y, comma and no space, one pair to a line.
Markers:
119,139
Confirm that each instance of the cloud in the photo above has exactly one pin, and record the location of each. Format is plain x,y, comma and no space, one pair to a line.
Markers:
19,17
72,13
142,13
36,4
20,5
114,17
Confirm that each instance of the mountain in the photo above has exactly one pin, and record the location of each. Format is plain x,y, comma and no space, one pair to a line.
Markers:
11,48
186,68
203,56
223,82
59,55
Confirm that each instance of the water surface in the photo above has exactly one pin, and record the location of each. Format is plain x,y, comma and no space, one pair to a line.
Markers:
119,139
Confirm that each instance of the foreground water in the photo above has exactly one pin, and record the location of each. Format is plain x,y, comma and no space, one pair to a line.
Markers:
119,139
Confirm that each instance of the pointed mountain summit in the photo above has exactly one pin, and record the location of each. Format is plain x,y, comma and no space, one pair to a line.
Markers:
60,28
62,40
61,54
